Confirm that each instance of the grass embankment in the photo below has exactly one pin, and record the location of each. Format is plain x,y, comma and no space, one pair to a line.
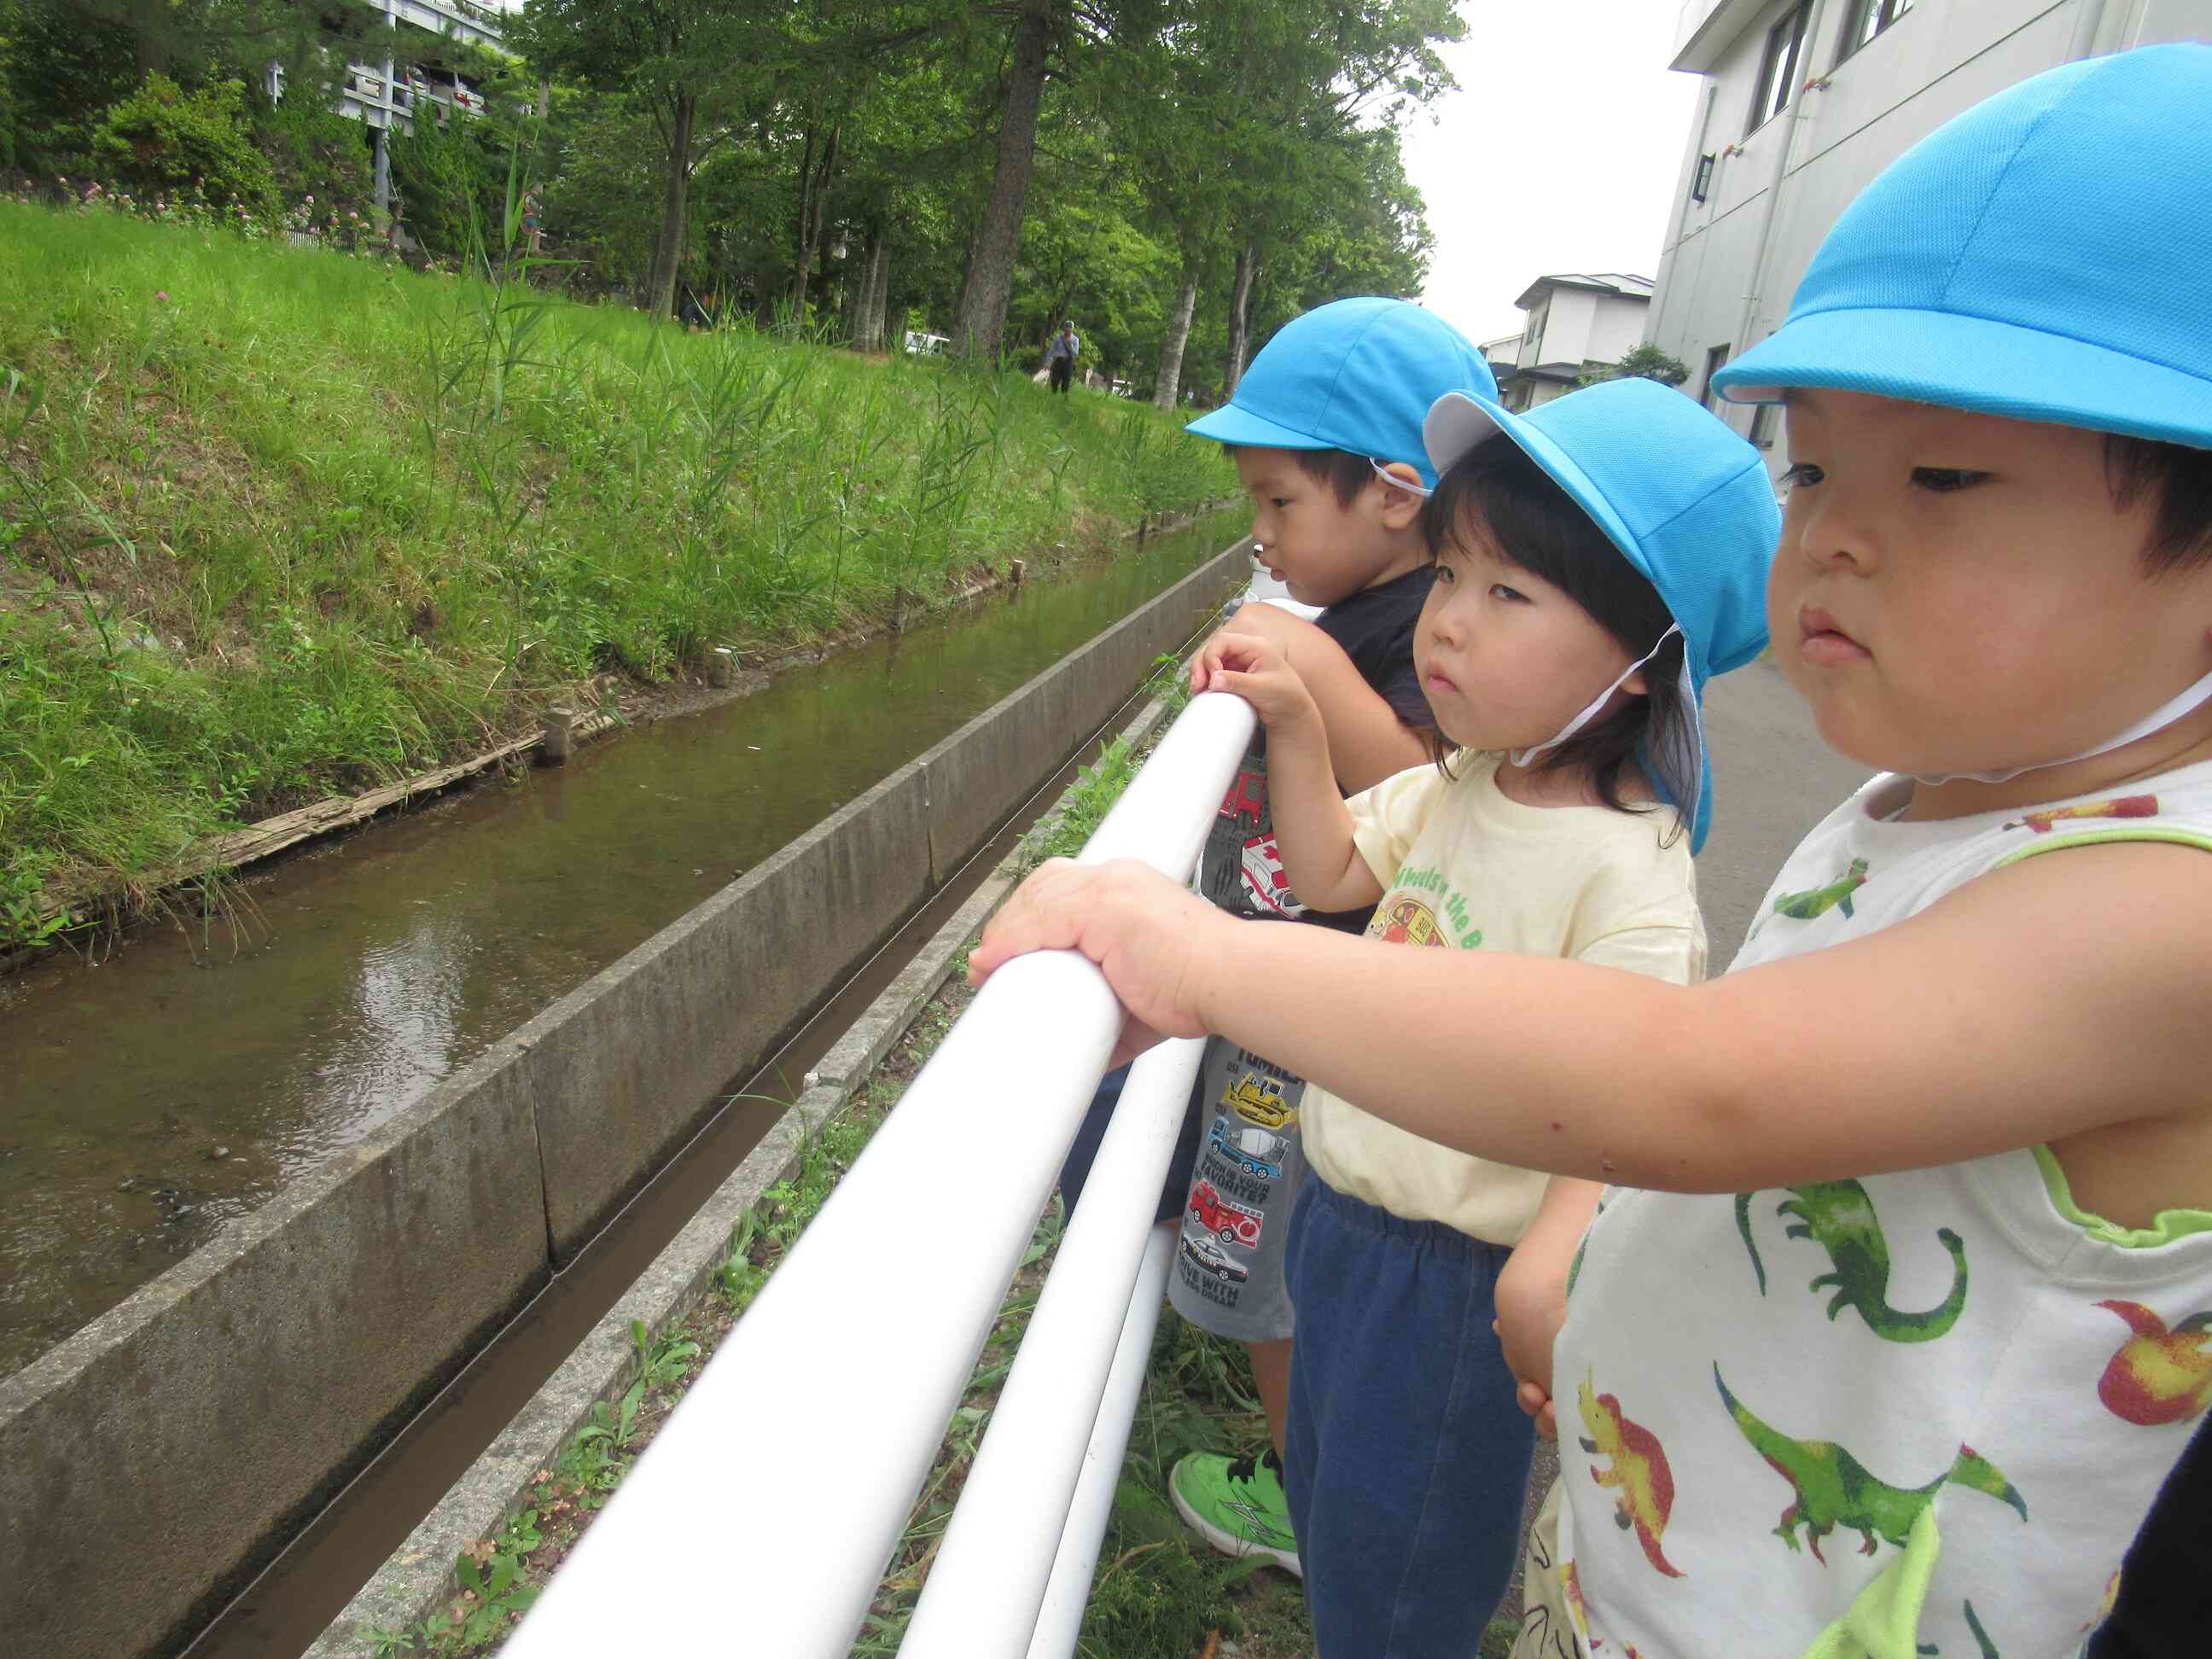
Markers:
276,524
1159,1592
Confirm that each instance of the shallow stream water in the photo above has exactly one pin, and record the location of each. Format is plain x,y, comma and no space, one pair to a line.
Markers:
152,1097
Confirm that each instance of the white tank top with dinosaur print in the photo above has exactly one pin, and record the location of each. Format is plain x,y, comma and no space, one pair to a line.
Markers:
1915,1416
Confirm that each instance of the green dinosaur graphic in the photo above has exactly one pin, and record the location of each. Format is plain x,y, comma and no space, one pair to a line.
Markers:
1981,1637
1819,901
1834,1489
1582,1249
1839,1217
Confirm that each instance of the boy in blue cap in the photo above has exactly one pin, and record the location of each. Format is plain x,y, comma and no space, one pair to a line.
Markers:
1954,1083
1325,430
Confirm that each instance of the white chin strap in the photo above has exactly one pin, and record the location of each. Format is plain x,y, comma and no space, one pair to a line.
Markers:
2157,720
1397,483
1523,756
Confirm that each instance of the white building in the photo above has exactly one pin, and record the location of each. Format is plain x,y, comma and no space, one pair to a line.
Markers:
411,80
1575,320
1804,102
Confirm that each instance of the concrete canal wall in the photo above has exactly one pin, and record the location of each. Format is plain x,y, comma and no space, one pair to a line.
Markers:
154,1461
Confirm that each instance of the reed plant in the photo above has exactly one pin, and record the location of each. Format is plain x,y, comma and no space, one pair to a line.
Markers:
277,523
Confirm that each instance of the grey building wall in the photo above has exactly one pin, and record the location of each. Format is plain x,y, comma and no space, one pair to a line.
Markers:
1731,262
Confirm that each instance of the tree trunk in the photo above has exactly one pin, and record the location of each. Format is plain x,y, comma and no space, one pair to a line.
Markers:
868,305
668,247
983,315
1170,381
880,294
149,37
1240,337
814,176
815,199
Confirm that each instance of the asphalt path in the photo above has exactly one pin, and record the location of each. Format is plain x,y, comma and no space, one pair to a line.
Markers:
1773,779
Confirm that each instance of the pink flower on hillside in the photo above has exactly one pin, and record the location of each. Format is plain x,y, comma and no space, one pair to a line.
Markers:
162,295
311,201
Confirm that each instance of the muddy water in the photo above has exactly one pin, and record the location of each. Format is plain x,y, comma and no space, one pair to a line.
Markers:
151,1098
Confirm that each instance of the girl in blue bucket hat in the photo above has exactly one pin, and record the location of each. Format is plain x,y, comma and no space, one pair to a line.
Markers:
1593,562
1900,1312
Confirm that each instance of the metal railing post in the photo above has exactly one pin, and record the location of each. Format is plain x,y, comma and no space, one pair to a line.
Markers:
1068,1595
989,1577
785,1475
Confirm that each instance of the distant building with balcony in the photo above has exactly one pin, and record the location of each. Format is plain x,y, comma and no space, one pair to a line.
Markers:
414,80
1576,320
1804,102
1501,354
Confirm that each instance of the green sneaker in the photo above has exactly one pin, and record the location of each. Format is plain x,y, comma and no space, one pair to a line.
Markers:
1236,1505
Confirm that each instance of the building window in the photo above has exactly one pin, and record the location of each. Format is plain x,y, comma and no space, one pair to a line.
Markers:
1764,418
1778,71
1535,329
1868,18
1715,359
1704,181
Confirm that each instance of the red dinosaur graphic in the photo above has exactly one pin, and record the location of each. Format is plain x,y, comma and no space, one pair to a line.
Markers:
2120,806
1639,1471
2158,1376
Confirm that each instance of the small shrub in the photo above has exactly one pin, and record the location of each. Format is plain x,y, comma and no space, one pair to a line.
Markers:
163,140
318,154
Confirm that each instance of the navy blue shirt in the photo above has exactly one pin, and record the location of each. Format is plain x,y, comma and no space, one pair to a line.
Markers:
1240,869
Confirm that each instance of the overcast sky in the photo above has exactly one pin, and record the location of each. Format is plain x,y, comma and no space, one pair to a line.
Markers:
1559,152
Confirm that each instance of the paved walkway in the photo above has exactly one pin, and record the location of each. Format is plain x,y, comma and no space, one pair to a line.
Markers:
1772,780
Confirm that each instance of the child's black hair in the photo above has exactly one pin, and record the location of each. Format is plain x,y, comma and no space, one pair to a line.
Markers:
1345,473
1496,493
2181,534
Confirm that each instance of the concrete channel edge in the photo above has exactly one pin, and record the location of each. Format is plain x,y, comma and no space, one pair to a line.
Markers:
154,1461
417,1579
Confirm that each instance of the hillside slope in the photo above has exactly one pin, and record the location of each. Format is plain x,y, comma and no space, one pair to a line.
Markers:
276,523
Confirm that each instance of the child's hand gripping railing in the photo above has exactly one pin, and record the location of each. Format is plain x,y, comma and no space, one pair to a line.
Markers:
777,1492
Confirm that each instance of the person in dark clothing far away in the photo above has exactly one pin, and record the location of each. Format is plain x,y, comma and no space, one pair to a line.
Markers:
1059,356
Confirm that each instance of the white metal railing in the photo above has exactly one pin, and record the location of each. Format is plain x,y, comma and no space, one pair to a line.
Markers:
779,1486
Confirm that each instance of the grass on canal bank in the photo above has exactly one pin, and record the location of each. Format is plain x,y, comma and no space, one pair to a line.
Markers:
1159,1592
276,523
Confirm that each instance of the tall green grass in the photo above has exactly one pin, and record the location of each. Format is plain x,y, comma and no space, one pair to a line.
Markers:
276,522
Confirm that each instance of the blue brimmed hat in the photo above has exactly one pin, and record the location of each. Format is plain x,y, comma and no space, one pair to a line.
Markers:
1356,375
1686,502
2043,256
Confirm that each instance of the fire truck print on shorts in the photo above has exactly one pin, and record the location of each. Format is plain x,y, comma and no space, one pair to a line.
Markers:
1266,886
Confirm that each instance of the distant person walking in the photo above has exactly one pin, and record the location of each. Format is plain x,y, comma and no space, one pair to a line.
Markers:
1059,356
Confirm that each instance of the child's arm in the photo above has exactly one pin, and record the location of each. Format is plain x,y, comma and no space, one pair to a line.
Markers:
2059,996
1312,826
1367,741
1532,1292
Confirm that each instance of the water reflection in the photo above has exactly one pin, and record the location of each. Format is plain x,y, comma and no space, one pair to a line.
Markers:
149,1098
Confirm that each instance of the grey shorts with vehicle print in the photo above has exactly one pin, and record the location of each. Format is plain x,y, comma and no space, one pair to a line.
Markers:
1228,1261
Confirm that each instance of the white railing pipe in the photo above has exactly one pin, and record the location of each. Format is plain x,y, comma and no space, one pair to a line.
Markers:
988,1579
1067,1596
785,1475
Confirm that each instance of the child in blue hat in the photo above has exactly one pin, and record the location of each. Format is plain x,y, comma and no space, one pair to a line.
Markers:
1582,598
1902,1310
1325,430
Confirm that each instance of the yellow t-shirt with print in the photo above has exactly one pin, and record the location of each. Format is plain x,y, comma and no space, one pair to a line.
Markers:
1464,867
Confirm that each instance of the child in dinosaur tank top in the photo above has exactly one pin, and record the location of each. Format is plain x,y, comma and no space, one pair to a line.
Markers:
1899,1309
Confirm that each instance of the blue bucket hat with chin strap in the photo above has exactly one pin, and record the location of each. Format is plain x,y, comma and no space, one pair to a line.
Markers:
1356,375
1689,505
2042,257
